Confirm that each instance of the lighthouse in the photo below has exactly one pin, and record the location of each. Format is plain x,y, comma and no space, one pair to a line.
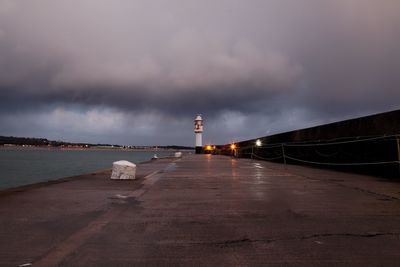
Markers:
198,130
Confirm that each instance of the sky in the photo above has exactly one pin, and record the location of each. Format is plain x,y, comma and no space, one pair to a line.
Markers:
136,72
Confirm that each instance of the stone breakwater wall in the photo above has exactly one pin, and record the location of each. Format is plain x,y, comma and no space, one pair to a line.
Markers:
368,145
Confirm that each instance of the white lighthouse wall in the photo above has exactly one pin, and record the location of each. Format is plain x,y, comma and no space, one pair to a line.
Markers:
199,141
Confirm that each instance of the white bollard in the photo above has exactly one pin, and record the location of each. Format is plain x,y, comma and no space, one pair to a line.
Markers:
178,154
123,170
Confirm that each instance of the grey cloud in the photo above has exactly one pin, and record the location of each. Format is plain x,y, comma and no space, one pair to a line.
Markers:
267,66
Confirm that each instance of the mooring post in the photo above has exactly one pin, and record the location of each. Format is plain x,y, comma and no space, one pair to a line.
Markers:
398,155
283,153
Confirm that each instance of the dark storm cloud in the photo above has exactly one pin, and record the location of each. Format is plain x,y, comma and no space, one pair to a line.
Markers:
150,66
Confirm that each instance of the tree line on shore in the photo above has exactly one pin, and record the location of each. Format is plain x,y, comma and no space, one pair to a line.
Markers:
41,142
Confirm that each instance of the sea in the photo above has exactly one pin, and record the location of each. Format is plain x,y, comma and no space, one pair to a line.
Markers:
23,166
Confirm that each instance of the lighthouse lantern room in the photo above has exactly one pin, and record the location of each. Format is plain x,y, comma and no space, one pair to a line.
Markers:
198,130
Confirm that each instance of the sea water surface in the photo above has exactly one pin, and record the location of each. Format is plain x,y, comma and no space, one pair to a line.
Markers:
20,166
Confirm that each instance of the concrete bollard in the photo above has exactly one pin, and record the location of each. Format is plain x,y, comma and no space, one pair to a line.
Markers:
123,170
178,154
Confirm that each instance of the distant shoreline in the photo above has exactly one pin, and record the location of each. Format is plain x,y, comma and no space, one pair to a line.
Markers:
90,148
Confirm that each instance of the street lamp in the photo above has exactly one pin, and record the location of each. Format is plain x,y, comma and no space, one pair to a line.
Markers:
258,142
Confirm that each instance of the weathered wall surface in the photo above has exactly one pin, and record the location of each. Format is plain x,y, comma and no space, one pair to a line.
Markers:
368,145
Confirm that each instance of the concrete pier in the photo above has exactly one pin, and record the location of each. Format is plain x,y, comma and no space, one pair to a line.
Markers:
204,210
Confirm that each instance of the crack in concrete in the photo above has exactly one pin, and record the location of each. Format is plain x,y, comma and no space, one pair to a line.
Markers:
350,235
368,191
339,183
234,242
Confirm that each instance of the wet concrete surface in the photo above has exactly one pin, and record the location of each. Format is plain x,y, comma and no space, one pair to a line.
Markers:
205,210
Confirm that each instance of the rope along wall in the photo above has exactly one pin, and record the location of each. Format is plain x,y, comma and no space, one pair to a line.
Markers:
342,153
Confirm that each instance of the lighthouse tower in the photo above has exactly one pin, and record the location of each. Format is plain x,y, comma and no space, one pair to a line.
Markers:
198,130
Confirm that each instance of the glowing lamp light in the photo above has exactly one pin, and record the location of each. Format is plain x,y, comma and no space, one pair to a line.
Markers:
258,142
209,147
233,146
